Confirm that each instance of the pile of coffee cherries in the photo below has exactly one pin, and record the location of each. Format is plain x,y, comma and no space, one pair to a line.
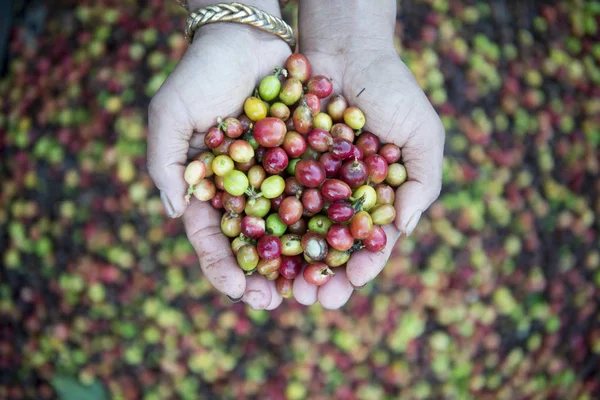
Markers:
301,189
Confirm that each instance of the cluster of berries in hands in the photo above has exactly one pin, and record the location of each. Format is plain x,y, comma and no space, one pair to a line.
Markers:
301,189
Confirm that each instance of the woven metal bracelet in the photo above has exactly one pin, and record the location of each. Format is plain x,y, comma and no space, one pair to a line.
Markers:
241,14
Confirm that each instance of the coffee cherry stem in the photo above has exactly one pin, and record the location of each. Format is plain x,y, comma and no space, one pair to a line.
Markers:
356,246
189,193
280,71
248,273
357,204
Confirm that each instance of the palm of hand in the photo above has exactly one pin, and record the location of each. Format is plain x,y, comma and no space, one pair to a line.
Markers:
398,112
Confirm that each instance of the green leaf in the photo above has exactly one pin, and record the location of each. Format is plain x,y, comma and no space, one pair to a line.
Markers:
69,388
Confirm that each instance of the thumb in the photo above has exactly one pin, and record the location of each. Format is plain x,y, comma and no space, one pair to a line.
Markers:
169,132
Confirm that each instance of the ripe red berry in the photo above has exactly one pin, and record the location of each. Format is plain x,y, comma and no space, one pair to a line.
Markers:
298,67
275,160
335,189
310,173
313,102
213,138
290,210
294,144
377,168
270,132
340,211
233,127
331,164
361,225
319,140
312,200
320,85
390,152
368,143
354,173
342,148
290,266
269,247
253,227
377,240
339,237
317,273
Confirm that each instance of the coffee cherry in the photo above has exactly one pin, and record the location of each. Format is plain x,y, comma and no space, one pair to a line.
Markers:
223,148
245,167
303,119
317,273
396,175
377,168
340,211
280,110
272,187
313,103
361,225
368,143
269,247
235,183
266,267
342,148
237,243
383,214
231,225
217,201
276,202
290,266
311,154
310,173
342,131
336,258
245,122
335,189
357,153
322,121
275,160
269,87
255,108
299,227
256,176
331,164
314,246
284,287
339,237
312,200
272,276
275,225
233,204
270,132
291,91
319,224
194,172
213,138
205,190
258,207
320,85
241,151
367,195
232,127
385,194
219,182
292,187
294,144
290,210
377,240
298,66
291,245
354,118
253,227
336,107
354,173
390,152
291,168
319,140
207,158
222,164
247,257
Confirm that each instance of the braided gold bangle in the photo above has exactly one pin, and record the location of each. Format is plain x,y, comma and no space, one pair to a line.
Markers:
241,14
184,4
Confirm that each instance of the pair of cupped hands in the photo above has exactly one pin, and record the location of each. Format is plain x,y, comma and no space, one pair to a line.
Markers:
219,70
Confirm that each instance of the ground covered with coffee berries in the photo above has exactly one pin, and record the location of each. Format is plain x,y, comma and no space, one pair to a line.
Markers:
494,296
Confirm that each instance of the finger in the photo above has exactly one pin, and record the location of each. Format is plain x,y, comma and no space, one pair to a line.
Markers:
258,294
335,293
422,156
276,298
197,145
365,265
304,292
203,228
169,131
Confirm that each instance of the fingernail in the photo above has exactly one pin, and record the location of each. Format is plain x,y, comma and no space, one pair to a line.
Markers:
167,204
234,300
358,287
412,223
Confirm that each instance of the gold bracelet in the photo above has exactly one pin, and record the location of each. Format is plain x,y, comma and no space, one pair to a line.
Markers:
184,4
241,14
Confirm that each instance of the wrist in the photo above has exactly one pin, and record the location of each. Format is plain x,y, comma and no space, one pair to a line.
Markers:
347,26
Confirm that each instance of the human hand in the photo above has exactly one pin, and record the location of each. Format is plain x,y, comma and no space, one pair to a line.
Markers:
366,70
219,70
